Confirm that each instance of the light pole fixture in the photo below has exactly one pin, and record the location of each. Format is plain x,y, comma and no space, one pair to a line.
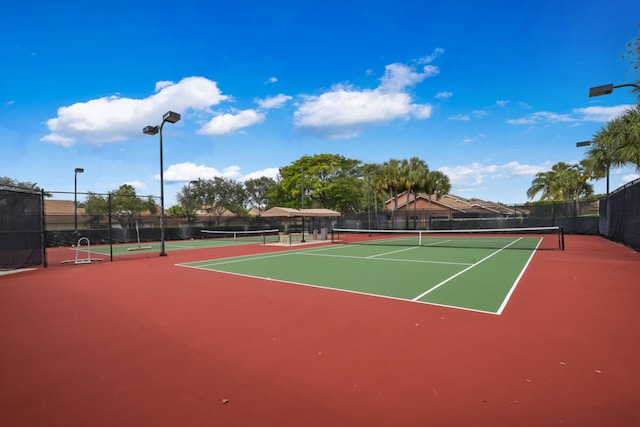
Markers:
607,89
76,171
587,143
170,117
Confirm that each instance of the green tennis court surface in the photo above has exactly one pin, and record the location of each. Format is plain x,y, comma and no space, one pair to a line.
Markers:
472,278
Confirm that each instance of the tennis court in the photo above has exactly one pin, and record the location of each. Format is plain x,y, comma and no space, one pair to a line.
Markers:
472,272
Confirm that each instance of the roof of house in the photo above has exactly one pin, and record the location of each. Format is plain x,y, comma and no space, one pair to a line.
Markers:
460,204
60,207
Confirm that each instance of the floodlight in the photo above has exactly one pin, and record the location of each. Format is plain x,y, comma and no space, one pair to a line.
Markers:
150,130
171,117
607,89
601,90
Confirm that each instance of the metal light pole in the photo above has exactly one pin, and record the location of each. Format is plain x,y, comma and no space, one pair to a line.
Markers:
189,205
170,117
377,172
302,200
76,171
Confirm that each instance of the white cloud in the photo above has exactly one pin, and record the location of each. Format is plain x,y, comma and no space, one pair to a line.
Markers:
344,111
137,184
187,171
399,76
271,80
443,95
588,114
502,103
268,172
421,111
114,119
476,174
601,114
430,58
227,124
274,101
542,117
162,84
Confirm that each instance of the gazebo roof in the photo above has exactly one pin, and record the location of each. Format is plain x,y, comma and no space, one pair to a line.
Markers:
293,212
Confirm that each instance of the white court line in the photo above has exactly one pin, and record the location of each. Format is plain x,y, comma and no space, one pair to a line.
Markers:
513,288
392,252
427,292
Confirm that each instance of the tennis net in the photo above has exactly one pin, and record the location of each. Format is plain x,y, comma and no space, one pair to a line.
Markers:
496,238
242,236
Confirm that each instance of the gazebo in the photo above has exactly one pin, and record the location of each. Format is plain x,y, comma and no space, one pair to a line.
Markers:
292,213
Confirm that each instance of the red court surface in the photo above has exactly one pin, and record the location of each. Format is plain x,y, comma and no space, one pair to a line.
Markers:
142,342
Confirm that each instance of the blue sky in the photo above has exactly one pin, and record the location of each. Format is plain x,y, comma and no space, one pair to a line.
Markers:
490,92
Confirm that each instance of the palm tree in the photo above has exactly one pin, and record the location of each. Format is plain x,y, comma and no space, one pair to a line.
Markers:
624,135
557,184
616,144
390,181
436,184
543,182
411,173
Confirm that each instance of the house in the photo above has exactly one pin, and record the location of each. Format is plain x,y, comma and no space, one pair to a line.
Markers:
449,206
60,214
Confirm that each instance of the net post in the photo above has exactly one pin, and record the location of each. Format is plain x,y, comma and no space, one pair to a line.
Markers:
561,237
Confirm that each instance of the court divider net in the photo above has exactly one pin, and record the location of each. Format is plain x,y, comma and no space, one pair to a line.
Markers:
531,238
248,236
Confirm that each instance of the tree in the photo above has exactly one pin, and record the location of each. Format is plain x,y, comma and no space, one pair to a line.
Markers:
258,190
14,184
543,183
391,182
616,144
436,184
412,174
623,137
125,205
563,182
216,196
177,211
95,206
330,181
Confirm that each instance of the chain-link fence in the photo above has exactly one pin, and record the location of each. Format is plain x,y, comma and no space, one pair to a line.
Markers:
620,215
109,219
578,217
115,219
